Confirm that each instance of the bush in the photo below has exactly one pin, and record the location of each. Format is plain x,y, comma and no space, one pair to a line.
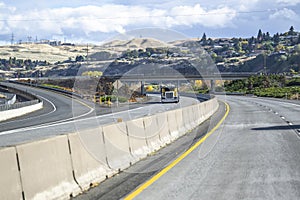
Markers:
113,98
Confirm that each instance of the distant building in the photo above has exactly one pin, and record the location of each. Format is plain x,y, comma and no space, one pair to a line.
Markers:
50,42
67,44
44,41
55,43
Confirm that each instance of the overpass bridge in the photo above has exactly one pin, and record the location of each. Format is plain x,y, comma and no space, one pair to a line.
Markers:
214,76
150,77
142,77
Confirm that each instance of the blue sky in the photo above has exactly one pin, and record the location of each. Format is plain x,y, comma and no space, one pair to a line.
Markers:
93,21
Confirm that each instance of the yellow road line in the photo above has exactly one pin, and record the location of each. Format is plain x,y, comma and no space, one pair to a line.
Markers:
175,162
72,98
83,103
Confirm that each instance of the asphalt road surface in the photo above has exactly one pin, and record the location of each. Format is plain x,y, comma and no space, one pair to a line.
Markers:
62,115
253,154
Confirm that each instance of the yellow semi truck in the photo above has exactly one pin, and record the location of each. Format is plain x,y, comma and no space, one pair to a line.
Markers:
169,94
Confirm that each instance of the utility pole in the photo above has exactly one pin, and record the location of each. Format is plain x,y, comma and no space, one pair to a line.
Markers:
87,54
29,39
12,39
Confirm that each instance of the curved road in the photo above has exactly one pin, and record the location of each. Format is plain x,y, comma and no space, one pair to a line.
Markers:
62,115
56,107
254,154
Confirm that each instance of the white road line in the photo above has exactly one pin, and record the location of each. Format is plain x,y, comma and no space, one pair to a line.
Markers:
297,105
61,122
52,104
30,118
71,120
281,102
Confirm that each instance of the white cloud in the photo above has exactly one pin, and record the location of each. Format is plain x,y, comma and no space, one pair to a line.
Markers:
284,14
90,21
288,2
112,18
187,15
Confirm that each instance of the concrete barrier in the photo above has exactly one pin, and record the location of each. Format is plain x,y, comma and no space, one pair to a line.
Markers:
211,107
46,169
193,115
10,183
196,114
9,114
137,138
208,108
163,128
89,157
187,119
117,146
60,167
180,122
173,127
152,133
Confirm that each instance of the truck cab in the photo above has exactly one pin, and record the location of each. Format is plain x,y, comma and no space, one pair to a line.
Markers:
169,94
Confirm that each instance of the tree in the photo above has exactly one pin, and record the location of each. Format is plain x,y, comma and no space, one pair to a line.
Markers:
251,41
279,47
238,46
10,61
297,48
259,35
276,38
79,58
282,80
264,37
210,42
250,82
269,47
268,37
291,31
266,82
251,44
203,39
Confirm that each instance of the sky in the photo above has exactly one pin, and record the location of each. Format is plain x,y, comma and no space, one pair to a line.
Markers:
86,21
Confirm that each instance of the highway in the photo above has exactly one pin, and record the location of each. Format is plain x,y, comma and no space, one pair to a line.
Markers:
62,115
253,154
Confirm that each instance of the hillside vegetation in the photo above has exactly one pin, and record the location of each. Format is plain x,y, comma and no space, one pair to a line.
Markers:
263,53
266,86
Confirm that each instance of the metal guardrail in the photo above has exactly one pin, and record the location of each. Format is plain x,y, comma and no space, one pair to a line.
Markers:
48,88
18,105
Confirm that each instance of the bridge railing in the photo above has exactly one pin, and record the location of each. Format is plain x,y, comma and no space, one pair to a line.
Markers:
18,105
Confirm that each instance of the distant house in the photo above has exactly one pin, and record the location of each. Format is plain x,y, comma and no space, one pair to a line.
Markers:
225,43
67,44
279,53
55,43
217,47
50,42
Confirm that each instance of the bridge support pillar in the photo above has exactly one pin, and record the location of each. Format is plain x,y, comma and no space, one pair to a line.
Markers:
143,88
212,86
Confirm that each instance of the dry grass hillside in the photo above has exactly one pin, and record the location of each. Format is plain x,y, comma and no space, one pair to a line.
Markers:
61,53
42,52
136,43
